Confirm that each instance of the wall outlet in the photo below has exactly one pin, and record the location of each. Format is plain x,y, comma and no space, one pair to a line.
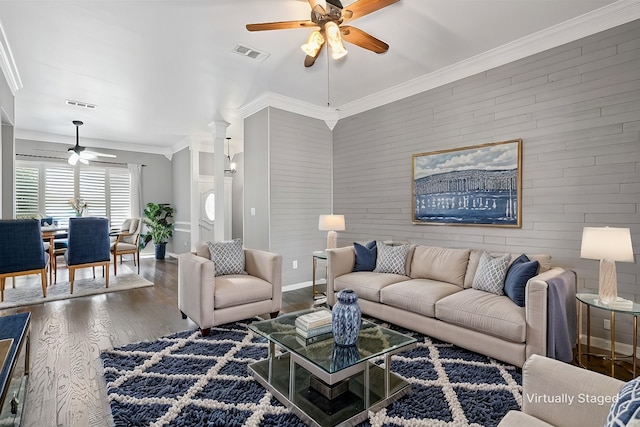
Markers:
295,264
253,211
607,324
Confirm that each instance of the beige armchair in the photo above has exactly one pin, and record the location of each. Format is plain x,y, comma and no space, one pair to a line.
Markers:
555,393
211,301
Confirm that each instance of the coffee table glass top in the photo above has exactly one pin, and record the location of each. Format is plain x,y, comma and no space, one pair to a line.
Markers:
373,340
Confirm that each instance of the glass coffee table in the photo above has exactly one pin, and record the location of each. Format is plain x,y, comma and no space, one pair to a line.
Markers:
325,384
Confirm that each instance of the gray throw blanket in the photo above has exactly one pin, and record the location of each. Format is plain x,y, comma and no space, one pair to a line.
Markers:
561,317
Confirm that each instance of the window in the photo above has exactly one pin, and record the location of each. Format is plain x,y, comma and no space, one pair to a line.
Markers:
27,191
44,189
58,189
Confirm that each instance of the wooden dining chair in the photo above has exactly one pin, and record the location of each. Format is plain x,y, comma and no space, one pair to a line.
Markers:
88,246
22,252
126,242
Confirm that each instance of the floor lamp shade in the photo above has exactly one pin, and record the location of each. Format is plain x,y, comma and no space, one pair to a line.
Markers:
331,223
608,245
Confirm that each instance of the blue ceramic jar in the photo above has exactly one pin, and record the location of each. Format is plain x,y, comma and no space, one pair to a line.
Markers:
346,318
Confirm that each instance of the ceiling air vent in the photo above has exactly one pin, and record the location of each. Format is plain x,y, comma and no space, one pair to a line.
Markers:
81,104
244,50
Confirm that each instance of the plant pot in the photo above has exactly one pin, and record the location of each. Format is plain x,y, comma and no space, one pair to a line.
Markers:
161,249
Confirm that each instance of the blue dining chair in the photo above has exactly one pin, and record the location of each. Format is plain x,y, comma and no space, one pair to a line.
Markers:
22,251
88,246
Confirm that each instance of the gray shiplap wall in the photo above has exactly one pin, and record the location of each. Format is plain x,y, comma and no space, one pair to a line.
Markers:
300,150
256,190
577,110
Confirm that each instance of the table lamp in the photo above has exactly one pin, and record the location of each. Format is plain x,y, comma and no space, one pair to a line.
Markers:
331,223
609,245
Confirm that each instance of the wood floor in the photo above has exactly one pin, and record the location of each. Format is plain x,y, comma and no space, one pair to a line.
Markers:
65,386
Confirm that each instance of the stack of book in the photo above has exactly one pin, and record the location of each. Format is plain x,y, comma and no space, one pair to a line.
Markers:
313,327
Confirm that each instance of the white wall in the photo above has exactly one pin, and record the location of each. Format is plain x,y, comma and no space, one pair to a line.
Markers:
577,110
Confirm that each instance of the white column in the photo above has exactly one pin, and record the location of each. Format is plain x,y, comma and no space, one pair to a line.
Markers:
219,129
194,147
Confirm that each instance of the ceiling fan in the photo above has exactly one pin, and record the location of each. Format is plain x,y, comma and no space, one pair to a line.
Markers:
80,153
327,23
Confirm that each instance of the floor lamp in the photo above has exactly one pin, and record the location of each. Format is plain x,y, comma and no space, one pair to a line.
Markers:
608,245
331,223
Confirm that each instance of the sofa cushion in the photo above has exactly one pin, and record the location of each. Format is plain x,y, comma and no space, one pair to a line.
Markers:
366,283
474,259
484,312
417,295
366,256
391,259
543,259
442,264
519,419
518,274
491,273
228,257
238,289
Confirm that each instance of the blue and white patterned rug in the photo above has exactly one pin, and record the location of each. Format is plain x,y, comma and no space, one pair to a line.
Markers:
189,380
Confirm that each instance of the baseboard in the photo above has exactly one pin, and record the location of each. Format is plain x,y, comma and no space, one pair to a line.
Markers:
604,344
294,286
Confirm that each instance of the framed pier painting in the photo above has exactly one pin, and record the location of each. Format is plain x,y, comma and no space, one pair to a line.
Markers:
478,185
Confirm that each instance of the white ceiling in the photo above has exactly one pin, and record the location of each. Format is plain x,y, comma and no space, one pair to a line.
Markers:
161,71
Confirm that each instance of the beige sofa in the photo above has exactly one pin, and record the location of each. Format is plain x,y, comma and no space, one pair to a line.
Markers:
435,298
210,301
558,394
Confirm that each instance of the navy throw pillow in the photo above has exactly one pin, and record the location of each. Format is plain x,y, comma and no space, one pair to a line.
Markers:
365,256
519,273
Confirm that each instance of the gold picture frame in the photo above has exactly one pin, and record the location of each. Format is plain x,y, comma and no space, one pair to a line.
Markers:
478,185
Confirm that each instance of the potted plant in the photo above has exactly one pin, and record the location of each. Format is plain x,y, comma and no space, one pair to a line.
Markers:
158,217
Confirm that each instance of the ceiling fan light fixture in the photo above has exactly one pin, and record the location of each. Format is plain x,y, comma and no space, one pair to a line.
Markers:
335,40
314,44
229,166
73,158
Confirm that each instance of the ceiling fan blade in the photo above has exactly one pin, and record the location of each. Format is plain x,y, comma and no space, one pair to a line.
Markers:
87,155
97,154
358,37
360,8
310,60
284,25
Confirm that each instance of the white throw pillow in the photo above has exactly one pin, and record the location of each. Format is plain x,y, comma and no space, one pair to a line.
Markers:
391,259
228,257
491,273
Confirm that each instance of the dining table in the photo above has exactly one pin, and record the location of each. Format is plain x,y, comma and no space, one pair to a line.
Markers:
49,233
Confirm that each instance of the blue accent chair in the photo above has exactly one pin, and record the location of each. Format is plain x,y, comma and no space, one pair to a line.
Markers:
88,246
22,251
46,221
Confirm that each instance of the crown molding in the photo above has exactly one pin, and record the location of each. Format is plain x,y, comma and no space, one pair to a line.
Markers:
181,144
613,15
270,99
610,16
92,142
8,65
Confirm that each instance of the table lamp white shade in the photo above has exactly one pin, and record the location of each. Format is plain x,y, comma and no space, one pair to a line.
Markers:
607,244
331,223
